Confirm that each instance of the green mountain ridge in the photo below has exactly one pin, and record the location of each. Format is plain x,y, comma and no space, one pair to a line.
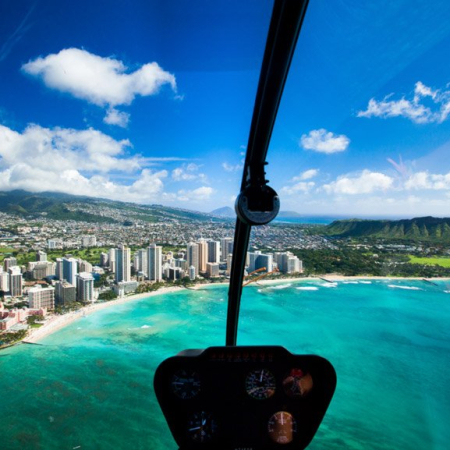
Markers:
420,228
57,206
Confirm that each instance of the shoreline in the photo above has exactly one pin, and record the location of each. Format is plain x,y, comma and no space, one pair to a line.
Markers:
55,323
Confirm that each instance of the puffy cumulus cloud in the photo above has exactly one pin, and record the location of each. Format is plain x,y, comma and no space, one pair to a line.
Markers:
115,117
414,108
425,180
76,162
302,186
64,149
148,187
306,175
188,172
197,195
366,183
324,141
98,80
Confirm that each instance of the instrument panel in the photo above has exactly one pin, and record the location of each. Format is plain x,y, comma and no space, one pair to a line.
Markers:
244,398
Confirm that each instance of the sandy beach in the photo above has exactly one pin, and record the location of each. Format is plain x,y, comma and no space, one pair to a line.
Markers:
56,322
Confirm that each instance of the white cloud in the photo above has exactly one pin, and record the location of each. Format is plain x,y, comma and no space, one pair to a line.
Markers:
98,80
65,148
148,186
231,168
413,109
197,195
76,162
366,183
188,172
324,141
302,186
306,175
115,117
425,180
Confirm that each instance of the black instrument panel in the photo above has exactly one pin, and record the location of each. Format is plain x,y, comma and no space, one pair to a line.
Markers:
244,398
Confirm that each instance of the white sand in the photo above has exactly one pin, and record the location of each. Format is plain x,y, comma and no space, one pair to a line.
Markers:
56,322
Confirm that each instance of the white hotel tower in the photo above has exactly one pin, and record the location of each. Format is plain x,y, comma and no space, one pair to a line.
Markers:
155,262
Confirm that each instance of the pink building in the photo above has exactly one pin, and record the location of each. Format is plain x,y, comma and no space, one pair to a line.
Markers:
9,318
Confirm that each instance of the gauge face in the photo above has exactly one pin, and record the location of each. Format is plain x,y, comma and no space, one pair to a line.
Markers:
260,384
185,384
297,383
282,427
201,427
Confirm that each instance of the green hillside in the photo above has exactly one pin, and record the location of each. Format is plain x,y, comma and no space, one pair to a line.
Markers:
58,206
422,229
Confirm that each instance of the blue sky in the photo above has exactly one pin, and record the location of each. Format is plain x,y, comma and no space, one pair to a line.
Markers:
151,102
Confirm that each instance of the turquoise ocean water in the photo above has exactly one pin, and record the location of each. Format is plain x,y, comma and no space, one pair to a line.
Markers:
89,386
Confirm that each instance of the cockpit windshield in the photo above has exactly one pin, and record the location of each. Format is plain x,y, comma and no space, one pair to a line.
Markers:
124,131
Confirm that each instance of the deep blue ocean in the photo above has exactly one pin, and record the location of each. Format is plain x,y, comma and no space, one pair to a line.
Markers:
89,386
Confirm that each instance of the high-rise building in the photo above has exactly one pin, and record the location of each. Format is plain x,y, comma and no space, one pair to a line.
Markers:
85,287
41,256
155,262
288,262
225,247
192,257
70,270
182,263
257,261
15,281
84,266
202,256
65,293
213,251
39,297
174,273
294,265
229,261
40,270
9,262
59,271
141,261
123,264
212,269
103,259
4,281
192,273
112,259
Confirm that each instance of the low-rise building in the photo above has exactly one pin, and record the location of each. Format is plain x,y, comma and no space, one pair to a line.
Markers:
125,287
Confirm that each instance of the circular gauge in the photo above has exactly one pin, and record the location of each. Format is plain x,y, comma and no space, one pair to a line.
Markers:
201,427
297,383
185,384
260,384
282,427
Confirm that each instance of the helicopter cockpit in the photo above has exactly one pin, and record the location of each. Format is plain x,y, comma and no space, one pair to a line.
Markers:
250,397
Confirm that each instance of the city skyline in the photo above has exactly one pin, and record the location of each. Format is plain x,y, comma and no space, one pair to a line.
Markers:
155,106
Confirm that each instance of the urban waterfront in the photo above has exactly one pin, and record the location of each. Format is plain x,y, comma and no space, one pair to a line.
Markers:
89,386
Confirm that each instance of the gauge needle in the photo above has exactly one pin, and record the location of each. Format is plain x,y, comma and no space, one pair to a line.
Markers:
193,429
261,377
282,422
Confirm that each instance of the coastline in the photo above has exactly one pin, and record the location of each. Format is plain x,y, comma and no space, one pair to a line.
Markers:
55,323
